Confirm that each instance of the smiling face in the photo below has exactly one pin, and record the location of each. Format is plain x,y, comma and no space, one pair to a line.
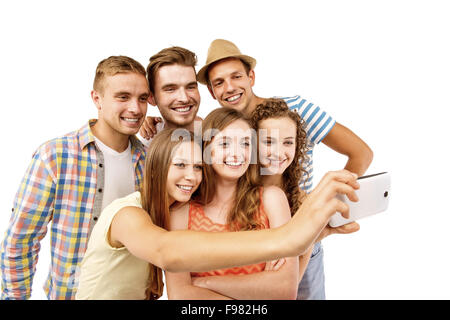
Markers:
231,150
122,103
185,172
231,85
176,94
277,144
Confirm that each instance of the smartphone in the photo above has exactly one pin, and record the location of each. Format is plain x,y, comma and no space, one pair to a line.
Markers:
374,194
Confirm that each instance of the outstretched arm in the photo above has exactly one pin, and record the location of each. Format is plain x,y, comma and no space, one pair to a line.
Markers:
344,141
178,251
281,284
179,284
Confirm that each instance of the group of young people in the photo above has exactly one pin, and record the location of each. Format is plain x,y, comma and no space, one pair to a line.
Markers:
225,205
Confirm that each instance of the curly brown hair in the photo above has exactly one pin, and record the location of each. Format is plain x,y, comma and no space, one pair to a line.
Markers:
244,214
277,108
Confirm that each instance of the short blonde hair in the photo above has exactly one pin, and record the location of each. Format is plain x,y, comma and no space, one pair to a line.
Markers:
114,65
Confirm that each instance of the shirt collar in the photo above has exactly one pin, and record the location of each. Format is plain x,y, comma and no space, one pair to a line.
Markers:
86,137
85,134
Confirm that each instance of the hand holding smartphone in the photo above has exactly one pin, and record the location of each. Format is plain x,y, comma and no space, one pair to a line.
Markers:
373,194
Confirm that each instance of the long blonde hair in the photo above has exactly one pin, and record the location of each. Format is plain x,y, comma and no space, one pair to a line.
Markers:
244,214
154,195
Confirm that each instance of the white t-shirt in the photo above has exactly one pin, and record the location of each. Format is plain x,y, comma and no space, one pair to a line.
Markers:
119,173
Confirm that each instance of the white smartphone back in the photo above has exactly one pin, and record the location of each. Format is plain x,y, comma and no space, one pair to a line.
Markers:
373,194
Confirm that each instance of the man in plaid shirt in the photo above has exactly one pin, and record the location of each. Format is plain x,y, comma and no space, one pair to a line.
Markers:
68,183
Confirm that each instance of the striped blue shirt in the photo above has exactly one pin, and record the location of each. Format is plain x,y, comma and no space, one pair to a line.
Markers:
317,125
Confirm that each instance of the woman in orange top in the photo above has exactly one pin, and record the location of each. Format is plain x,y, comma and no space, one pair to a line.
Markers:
282,148
233,199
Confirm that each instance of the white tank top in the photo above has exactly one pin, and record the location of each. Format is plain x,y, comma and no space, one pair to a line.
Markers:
109,273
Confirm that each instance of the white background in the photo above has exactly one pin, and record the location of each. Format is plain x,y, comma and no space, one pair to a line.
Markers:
379,67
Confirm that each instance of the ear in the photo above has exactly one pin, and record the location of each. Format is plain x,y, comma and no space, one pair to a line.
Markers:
96,98
251,75
211,92
151,99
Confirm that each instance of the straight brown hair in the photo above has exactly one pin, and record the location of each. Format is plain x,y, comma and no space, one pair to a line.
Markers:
154,196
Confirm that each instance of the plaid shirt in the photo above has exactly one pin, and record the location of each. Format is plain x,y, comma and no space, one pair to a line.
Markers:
63,184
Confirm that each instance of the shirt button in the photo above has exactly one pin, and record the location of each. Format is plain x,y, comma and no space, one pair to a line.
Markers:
95,218
100,190
101,165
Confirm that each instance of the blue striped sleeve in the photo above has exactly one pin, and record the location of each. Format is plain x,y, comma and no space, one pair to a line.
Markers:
317,122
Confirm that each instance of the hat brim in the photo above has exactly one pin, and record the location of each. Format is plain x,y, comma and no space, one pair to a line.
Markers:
201,74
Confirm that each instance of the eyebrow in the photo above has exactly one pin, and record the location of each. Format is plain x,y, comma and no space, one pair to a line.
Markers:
223,138
122,93
231,138
216,79
169,85
222,78
181,159
178,85
128,93
185,161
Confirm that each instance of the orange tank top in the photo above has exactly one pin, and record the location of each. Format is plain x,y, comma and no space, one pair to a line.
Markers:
198,221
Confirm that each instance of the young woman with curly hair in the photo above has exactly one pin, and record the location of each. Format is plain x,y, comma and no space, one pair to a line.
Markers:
282,147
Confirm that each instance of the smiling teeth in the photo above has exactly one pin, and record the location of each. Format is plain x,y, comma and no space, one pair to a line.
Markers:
131,119
233,163
233,98
276,162
183,109
186,188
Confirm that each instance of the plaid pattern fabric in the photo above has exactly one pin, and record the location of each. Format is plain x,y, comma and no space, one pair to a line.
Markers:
59,186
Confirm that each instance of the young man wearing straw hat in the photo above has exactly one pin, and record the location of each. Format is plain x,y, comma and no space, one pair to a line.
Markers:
229,76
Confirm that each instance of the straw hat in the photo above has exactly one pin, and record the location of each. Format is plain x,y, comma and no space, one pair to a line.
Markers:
222,49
